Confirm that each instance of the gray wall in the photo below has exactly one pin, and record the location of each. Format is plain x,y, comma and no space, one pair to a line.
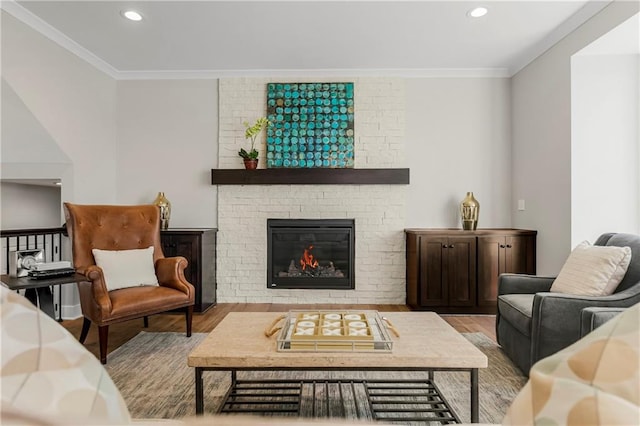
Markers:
74,104
23,205
458,140
541,121
161,135
127,140
167,141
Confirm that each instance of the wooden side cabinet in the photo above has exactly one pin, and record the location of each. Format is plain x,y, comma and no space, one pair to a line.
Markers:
448,269
456,271
198,246
510,252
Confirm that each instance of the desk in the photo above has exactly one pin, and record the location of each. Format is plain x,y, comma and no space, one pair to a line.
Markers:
39,291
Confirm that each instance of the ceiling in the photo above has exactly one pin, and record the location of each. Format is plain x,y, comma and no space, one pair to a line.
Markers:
222,38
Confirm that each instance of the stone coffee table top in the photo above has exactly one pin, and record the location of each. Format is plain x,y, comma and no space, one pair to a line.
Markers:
426,341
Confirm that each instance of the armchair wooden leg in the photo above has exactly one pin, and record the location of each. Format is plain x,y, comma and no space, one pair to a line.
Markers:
86,325
146,322
103,331
189,319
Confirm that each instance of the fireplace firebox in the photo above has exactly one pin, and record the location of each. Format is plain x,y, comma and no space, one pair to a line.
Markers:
310,253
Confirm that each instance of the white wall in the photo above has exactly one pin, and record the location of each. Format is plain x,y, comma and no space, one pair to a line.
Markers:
458,140
72,101
28,151
605,175
167,141
541,165
29,206
75,106
24,138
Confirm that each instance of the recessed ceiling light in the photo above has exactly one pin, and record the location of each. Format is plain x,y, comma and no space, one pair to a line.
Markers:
478,12
132,15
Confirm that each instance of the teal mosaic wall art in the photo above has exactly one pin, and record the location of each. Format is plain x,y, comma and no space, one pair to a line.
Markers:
312,125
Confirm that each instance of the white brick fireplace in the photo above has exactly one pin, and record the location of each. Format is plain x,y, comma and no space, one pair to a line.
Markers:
379,210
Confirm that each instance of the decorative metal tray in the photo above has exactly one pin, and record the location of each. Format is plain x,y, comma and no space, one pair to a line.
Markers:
334,331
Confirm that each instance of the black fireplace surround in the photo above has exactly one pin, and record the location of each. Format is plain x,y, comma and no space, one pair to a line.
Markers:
310,253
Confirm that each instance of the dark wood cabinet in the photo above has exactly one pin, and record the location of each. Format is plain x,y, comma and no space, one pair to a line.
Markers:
456,271
501,254
447,271
198,246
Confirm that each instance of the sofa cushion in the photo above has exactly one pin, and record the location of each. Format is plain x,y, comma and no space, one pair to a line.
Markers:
517,310
46,371
126,268
592,270
594,381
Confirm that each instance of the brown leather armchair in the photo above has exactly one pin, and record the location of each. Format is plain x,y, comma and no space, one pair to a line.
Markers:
123,228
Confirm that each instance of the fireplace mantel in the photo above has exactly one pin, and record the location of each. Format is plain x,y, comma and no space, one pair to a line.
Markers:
318,176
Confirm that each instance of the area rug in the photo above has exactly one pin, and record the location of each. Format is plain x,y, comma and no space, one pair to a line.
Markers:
152,374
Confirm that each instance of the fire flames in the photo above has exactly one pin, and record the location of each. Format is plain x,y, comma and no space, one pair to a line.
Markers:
308,260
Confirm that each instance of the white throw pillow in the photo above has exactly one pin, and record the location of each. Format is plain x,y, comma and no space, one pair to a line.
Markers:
593,270
126,268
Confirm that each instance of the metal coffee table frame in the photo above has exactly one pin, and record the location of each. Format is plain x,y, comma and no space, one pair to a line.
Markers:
274,396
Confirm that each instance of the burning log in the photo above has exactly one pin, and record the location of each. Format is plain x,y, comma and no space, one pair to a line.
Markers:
329,271
310,267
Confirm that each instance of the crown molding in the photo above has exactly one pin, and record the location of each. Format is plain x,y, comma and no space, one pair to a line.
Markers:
585,13
405,73
33,21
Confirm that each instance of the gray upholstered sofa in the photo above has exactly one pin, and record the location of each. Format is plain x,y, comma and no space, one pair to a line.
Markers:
533,323
594,317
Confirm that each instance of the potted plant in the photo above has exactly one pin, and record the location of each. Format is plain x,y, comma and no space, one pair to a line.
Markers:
251,132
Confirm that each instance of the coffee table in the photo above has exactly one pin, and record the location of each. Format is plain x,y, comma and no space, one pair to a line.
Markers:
426,343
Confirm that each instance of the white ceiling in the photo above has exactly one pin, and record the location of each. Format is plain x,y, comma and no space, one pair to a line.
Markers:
182,38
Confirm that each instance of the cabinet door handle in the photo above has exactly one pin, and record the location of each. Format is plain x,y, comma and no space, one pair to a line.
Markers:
501,245
450,245
508,245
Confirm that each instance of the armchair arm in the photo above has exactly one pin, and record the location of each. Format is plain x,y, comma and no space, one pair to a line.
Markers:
555,322
170,273
592,318
523,284
94,293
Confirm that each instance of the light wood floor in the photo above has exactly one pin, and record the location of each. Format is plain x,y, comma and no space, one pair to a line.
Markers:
119,334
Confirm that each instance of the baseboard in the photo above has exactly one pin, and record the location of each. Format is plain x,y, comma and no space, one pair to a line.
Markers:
70,312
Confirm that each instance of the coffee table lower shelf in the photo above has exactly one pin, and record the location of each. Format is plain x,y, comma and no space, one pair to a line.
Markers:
396,400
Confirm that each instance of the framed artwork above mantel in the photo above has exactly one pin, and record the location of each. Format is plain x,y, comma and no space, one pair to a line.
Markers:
312,125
